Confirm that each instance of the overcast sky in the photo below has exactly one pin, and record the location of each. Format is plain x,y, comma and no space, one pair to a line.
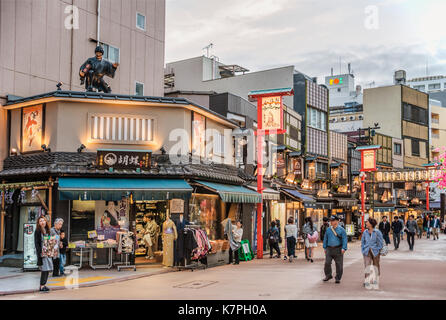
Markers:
313,35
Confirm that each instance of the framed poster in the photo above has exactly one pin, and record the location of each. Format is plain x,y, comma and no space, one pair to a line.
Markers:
272,113
32,128
198,135
29,250
177,206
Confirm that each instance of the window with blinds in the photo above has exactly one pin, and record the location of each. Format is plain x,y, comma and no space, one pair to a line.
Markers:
121,129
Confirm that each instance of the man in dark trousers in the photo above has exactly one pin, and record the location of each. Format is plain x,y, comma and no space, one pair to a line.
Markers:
335,245
397,227
384,227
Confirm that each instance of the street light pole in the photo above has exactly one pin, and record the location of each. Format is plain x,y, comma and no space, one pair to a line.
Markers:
362,200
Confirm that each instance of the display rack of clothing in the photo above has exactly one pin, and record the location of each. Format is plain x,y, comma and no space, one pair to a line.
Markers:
195,247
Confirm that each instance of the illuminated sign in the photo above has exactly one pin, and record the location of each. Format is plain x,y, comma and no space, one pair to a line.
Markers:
272,113
336,81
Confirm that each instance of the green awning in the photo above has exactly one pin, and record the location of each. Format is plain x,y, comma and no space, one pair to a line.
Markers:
231,193
115,189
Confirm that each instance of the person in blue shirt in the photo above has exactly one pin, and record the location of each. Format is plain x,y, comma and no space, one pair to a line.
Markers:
335,245
372,242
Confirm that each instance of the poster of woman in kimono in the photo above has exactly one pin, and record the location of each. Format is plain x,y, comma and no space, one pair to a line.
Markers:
32,128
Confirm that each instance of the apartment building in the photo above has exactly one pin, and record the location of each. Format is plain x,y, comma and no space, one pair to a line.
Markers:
438,128
403,113
428,84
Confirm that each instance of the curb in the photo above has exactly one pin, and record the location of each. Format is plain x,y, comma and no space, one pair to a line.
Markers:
94,284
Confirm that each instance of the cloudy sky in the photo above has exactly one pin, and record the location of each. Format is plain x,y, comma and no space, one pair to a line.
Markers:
376,36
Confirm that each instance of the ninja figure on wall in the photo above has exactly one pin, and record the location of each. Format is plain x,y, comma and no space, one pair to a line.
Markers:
94,69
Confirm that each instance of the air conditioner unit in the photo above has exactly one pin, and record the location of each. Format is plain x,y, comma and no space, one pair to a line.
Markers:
361,117
352,118
343,118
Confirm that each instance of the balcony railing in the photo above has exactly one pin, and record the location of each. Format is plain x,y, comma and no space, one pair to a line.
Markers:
437,121
435,136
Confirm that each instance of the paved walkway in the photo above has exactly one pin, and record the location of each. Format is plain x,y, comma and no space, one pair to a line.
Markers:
420,274
15,281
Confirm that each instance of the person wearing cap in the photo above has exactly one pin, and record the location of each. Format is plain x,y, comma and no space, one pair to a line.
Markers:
335,245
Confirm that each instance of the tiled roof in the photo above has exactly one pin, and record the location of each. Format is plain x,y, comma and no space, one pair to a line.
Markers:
82,164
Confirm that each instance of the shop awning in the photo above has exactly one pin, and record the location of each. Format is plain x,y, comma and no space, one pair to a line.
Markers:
268,193
435,205
297,195
319,205
115,189
231,193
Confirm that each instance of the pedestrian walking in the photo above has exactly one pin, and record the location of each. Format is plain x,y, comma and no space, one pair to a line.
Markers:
372,241
427,226
384,227
335,245
324,227
411,229
436,225
420,227
402,230
397,227
44,260
55,232
273,240
63,252
237,234
310,234
291,238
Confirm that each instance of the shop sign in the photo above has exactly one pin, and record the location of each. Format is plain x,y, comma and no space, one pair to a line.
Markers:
280,161
177,206
318,205
272,113
407,176
350,229
29,249
369,160
123,159
297,168
32,128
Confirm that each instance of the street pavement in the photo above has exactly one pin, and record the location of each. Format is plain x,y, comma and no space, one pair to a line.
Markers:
418,274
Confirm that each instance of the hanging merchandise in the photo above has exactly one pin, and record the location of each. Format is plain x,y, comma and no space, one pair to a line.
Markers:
22,196
8,196
34,193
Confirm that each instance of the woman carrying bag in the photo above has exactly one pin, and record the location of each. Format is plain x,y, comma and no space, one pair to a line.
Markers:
372,245
311,235
46,248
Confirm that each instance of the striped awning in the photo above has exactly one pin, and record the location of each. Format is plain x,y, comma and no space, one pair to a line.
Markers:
232,193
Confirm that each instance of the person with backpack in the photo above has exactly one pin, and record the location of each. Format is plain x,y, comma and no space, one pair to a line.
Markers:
372,242
291,238
310,234
273,240
420,227
335,245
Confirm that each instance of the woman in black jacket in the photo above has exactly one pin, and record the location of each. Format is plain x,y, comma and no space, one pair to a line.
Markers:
44,262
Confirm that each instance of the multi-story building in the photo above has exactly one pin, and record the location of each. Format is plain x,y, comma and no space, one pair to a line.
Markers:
402,113
347,118
343,91
428,84
41,46
310,101
438,128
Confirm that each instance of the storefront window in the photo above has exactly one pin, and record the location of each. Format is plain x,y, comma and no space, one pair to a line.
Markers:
204,212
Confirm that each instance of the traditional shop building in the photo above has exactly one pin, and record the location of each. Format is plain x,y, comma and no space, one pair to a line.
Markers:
99,160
